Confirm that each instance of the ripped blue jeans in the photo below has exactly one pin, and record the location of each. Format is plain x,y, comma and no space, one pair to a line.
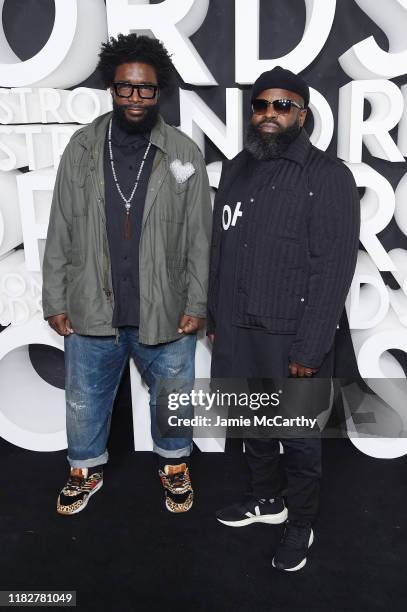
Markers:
93,368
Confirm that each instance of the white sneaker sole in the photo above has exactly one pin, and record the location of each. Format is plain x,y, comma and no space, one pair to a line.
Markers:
98,486
270,519
302,563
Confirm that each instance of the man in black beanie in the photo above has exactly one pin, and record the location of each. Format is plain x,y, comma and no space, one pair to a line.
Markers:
284,247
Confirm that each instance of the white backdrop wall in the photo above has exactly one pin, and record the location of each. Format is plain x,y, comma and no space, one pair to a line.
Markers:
358,104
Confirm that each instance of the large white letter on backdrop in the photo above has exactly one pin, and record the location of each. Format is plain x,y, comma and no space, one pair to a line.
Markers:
198,120
323,120
384,375
377,210
387,108
172,22
318,23
368,300
70,54
367,60
32,414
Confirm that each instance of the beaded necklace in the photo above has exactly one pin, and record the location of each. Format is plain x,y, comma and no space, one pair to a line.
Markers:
127,201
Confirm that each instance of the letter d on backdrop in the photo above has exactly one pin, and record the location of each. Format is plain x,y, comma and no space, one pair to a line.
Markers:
70,54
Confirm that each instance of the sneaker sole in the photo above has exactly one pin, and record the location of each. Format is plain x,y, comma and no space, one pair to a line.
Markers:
181,508
98,486
177,511
301,564
270,519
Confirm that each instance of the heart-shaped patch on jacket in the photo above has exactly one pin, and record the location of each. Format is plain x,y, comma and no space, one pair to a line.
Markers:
181,171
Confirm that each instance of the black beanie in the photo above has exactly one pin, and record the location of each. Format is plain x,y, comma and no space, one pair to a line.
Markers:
279,78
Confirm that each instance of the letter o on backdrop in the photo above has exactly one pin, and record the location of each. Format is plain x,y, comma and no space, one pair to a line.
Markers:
70,54
32,412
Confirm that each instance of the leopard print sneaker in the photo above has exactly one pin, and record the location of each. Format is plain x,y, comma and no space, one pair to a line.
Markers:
176,481
78,489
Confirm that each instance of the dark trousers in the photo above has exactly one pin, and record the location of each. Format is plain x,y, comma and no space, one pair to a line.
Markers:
242,353
295,474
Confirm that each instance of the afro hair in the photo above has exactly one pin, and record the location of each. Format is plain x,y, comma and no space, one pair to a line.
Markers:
135,48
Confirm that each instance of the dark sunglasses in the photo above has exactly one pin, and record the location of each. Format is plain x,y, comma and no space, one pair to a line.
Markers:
282,107
144,90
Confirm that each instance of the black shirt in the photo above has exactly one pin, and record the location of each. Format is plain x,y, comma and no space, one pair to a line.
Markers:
128,153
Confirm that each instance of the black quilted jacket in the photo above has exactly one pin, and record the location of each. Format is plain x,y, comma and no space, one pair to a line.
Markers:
299,254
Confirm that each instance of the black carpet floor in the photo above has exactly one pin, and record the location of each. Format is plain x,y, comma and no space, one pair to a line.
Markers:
125,552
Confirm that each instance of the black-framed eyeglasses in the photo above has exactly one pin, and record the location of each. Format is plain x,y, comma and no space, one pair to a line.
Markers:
146,91
282,107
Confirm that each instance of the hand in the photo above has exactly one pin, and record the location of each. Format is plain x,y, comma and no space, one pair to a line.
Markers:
299,371
61,324
190,325
211,338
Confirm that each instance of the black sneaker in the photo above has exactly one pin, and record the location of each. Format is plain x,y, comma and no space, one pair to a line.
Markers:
252,510
291,553
77,491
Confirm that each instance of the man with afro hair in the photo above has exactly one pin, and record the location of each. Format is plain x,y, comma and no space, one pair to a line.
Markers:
126,266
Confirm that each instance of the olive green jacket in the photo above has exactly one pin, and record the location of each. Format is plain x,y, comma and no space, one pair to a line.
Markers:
174,243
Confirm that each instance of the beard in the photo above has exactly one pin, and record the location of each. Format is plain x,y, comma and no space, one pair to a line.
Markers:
269,146
141,126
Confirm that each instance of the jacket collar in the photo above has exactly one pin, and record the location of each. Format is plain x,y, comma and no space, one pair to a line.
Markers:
298,150
158,135
95,133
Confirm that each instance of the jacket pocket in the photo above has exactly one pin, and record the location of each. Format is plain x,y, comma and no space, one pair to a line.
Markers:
172,207
178,188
